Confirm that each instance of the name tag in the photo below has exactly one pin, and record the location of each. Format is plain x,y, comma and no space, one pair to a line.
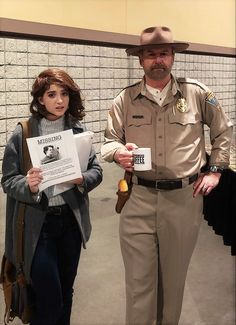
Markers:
137,116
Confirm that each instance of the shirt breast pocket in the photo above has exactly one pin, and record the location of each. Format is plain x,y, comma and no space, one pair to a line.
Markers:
138,121
184,128
139,129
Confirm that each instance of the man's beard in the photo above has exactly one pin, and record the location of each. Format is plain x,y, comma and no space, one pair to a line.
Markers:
158,72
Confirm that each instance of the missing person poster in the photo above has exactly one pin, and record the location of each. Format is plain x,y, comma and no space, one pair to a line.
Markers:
83,143
56,154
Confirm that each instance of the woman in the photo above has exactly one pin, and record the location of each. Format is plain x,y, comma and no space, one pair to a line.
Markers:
55,226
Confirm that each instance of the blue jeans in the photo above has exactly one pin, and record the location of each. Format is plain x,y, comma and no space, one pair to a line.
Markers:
55,266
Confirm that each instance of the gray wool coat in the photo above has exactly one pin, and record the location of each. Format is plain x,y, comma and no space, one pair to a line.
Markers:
15,186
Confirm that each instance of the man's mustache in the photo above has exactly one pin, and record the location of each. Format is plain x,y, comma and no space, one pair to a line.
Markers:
158,66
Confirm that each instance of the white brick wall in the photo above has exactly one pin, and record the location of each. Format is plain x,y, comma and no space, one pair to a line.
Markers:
101,72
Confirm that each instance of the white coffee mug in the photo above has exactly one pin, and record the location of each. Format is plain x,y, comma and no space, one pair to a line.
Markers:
142,159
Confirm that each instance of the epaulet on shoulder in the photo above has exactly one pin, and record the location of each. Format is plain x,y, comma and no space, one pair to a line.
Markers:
191,81
130,86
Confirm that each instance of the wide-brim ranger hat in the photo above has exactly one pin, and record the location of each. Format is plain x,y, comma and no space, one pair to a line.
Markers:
154,37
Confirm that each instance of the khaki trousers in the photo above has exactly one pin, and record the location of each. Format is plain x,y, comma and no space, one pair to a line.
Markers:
158,232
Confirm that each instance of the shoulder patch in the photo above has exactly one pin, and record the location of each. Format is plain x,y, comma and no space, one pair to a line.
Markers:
211,99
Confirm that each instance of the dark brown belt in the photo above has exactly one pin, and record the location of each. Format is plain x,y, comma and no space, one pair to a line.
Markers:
167,185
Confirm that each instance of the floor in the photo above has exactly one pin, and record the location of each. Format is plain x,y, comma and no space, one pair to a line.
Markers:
99,297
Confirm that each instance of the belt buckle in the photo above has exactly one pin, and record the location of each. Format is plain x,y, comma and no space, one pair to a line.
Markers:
158,185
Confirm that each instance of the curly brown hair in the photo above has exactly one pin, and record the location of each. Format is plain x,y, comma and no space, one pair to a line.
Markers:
59,77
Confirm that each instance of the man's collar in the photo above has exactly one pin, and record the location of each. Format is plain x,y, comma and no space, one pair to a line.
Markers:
175,87
164,91
141,88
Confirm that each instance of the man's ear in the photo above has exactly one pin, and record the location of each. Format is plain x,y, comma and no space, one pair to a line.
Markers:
140,57
140,60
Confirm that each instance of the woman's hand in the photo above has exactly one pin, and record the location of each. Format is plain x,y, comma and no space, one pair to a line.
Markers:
34,178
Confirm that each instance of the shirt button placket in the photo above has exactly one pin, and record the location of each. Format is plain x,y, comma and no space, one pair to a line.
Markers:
160,139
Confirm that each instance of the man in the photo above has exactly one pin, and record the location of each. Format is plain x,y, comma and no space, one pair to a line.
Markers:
159,224
51,154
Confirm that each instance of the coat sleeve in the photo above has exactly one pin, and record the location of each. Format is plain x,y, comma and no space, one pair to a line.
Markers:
13,180
93,175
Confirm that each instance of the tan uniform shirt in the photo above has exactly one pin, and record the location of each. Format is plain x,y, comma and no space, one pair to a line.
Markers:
173,131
